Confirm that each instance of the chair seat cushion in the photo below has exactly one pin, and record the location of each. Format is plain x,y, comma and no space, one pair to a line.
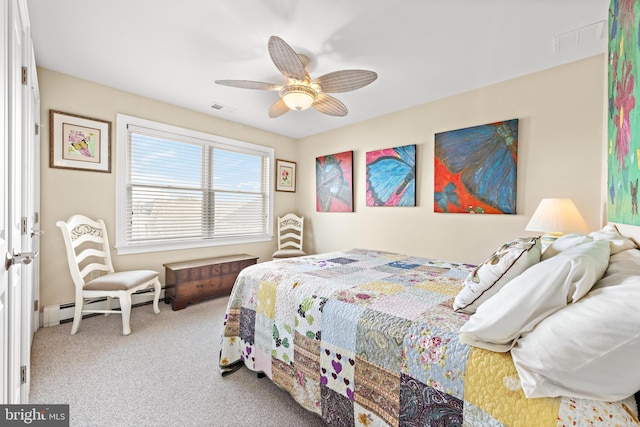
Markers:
120,281
288,253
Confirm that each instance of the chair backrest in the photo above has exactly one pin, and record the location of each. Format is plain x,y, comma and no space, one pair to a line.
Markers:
87,247
290,231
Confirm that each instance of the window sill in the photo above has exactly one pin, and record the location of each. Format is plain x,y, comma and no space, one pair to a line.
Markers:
128,249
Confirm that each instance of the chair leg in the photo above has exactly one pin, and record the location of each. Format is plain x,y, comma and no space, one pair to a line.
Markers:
108,303
77,315
156,296
125,307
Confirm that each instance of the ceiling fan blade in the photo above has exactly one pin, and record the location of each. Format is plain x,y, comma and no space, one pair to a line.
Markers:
329,105
345,80
248,84
286,59
278,109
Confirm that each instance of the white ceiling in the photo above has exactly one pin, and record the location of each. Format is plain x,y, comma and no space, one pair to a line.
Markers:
422,50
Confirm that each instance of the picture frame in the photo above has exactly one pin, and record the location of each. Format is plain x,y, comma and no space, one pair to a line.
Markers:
285,175
79,142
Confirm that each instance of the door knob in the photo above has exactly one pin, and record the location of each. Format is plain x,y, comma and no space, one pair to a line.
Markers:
19,258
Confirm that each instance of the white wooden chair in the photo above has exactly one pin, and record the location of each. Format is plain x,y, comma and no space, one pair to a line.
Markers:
92,272
290,231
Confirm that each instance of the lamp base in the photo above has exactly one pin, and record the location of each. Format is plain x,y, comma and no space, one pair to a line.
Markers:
548,238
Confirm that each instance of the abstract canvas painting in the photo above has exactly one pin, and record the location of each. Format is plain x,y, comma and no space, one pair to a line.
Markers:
623,151
391,176
334,182
475,169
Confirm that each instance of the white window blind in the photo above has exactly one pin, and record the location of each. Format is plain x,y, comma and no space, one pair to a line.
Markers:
193,191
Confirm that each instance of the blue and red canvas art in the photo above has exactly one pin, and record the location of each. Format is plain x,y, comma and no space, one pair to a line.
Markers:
334,182
391,176
475,169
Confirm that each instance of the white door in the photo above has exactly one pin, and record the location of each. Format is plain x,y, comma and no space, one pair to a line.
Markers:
14,121
15,48
4,212
32,192
30,219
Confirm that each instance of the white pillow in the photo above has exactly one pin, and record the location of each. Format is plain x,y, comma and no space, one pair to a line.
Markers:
488,278
589,349
617,241
536,293
563,243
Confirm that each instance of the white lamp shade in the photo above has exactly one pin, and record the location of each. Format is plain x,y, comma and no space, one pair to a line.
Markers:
557,216
298,97
298,100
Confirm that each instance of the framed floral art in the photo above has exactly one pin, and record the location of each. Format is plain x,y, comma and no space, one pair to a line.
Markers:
285,176
79,142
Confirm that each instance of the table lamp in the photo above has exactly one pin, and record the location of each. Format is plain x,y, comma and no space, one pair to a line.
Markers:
554,217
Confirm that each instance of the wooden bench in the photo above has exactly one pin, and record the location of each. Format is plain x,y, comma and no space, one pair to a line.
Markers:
194,281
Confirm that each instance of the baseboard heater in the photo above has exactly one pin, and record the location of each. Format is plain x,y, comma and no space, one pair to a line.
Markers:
53,315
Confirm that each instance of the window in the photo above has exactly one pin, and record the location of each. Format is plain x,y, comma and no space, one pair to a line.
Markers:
178,188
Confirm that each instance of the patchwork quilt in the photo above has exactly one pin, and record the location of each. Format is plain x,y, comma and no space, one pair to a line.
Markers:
370,338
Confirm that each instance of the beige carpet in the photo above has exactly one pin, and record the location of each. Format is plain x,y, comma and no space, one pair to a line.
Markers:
164,374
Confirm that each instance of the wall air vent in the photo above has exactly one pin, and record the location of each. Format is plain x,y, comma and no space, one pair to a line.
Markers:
221,107
581,37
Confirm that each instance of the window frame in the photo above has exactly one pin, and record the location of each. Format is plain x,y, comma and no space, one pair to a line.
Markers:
123,246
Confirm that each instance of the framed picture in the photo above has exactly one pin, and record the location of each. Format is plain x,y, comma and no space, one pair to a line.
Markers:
285,176
79,142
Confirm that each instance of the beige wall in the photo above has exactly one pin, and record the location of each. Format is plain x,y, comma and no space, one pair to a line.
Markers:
561,131
66,192
561,114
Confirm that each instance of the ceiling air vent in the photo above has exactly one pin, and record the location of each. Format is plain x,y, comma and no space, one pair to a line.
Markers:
221,107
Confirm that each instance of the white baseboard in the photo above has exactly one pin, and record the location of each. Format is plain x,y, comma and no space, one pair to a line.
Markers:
53,315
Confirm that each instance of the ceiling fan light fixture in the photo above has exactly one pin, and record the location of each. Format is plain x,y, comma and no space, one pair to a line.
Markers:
298,97
301,92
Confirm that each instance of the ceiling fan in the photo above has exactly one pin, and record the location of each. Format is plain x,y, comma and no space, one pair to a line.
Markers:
300,92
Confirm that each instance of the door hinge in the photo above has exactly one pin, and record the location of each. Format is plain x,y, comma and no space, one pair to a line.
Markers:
23,374
37,129
24,75
35,305
24,225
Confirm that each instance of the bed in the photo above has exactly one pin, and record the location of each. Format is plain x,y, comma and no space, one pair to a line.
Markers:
372,338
